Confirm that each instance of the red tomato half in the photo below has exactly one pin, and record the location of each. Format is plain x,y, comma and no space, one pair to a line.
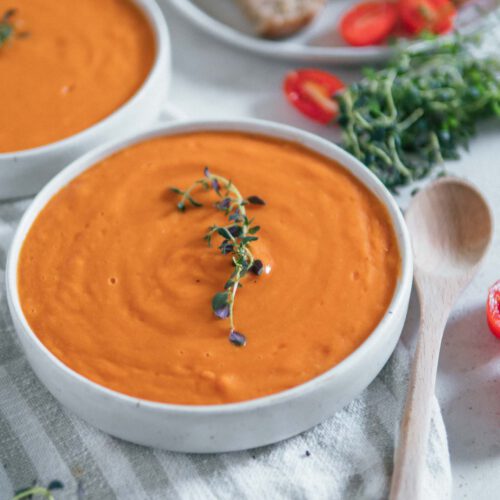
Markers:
369,23
493,309
435,16
311,92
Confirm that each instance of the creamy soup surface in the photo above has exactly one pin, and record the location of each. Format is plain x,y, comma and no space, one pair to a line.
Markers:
118,283
75,62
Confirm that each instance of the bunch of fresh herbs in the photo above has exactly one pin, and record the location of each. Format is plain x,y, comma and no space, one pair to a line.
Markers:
407,118
236,236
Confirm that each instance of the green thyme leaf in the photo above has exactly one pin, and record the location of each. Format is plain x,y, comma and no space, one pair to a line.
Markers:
222,231
219,300
7,28
249,239
194,202
55,485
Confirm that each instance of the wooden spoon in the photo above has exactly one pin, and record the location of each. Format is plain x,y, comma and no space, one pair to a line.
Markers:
451,226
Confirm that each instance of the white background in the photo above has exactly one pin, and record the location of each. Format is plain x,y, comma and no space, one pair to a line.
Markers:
212,80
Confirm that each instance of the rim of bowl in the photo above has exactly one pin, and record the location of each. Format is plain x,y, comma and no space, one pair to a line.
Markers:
158,24
253,126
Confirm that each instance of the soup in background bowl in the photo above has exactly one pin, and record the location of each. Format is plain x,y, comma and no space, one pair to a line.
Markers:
111,285
75,74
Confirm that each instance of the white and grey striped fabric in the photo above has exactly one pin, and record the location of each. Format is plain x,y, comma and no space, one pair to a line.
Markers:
346,457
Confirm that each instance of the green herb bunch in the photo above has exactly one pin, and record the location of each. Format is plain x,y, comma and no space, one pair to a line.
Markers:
403,120
236,236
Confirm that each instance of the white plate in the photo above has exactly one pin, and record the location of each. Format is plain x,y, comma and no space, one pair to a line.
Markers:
319,42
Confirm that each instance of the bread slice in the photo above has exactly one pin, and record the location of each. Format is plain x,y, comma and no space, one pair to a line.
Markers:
281,18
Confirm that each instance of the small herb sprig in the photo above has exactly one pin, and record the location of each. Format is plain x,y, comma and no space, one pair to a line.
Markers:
237,237
31,491
7,28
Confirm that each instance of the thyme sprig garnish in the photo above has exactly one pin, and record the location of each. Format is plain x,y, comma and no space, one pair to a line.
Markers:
31,491
237,236
7,28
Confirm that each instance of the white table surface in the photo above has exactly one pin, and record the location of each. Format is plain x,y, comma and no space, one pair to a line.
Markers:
212,80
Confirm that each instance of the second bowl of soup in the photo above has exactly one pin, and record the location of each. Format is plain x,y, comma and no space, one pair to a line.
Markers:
74,74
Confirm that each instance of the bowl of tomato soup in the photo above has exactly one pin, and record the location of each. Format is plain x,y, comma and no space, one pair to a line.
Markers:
114,291
75,75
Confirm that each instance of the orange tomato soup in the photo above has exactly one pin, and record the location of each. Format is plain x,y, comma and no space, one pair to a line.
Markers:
117,283
70,64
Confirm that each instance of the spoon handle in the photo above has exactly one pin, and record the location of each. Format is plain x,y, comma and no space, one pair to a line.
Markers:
410,456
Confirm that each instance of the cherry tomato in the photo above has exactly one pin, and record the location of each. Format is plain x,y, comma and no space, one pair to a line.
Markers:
435,16
311,92
369,23
493,309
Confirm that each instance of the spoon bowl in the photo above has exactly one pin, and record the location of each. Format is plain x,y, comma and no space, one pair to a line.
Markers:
451,227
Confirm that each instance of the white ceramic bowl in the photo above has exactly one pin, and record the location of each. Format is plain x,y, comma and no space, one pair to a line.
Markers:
232,426
23,173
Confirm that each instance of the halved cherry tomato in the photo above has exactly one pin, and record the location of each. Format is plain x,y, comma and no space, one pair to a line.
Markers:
493,309
369,23
311,92
435,16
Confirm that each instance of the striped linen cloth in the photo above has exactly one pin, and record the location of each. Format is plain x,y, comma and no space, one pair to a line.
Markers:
347,457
